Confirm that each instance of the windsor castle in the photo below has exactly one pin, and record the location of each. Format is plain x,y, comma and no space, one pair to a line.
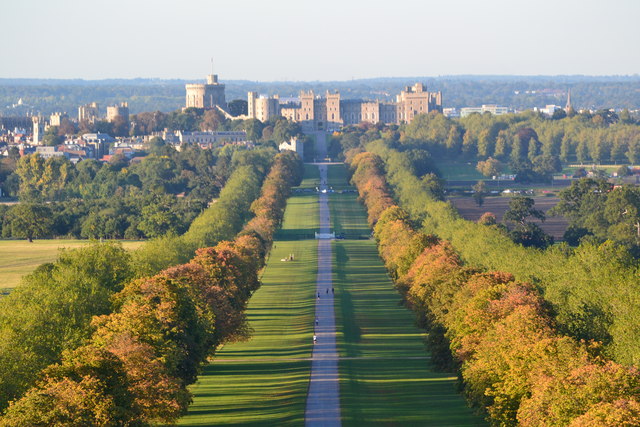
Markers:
317,113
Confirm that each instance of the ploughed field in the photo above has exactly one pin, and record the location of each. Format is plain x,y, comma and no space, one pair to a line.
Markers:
469,209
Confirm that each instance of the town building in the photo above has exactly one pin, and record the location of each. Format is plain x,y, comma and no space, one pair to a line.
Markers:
452,113
293,145
548,110
491,108
49,152
207,95
100,142
206,139
331,112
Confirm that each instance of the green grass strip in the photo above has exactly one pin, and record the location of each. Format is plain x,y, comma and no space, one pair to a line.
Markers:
263,381
389,381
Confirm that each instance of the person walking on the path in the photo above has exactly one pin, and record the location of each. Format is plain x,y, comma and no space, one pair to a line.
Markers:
327,290
332,290
318,295
315,339
316,321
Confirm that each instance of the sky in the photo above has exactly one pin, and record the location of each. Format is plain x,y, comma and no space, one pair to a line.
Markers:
304,40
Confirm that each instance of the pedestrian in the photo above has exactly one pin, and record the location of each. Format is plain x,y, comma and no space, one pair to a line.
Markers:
327,290
332,290
316,321
318,295
315,339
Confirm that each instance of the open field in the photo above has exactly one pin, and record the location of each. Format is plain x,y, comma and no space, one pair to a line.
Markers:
19,257
386,378
458,171
468,208
263,381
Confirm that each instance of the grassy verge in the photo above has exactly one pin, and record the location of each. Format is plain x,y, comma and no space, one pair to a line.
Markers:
19,257
257,382
390,381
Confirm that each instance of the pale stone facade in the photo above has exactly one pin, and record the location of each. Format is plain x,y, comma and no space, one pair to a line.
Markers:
206,95
121,110
414,100
331,112
38,129
88,112
293,145
261,107
56,118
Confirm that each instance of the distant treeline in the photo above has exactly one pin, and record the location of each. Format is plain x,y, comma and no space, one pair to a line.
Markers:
119,344
48,96
161,194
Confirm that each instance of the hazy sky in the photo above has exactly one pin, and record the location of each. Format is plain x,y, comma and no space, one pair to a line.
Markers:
316,39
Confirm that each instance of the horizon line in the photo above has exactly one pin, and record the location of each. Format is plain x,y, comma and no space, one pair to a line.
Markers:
285,80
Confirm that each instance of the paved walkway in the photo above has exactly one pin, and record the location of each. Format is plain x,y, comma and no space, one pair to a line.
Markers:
323,398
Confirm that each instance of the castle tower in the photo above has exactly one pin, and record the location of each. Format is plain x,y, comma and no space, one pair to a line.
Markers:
121,110
307,110
207,96
334,118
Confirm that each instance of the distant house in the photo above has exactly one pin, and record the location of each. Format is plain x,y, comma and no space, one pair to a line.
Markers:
100,142
293,145
49,152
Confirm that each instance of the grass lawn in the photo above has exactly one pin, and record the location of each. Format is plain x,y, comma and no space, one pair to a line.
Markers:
19,257
458,170
390,382
257,382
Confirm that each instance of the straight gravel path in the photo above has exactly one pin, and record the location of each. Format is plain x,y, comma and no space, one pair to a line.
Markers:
323,398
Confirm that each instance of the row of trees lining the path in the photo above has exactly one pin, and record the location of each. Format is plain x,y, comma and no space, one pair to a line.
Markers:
501,333
58,309
593,288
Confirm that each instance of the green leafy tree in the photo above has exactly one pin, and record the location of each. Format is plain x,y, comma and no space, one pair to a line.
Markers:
490,167
30,220
524,232
479,192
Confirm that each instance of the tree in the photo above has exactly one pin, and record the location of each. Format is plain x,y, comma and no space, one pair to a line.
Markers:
526,233
30,220
120,126
622,211
238,107
479,192
490,167
211,120
623,171
520,208
51,137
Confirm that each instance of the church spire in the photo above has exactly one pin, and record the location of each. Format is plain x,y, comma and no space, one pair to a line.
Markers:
568,106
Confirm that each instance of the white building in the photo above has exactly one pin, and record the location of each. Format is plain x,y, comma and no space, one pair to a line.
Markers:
209,137
293,145
548,110
489,108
